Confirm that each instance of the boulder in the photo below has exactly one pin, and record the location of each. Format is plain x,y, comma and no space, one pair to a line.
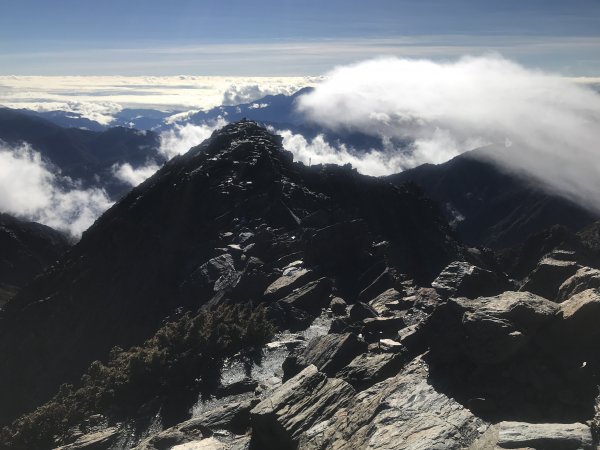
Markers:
367,369
545,436
338,306
576,330
461,279
425,299
329,353
403,412
304,401
526,311
382,327
214,275
287,283
384,281
233,417
311,297
547,277
584,278
100,440
490,339
389,302
360,311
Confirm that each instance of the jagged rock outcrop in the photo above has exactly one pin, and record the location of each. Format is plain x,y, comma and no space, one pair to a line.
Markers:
584,278
306,400
461,279
328,353
549,436
548,277
225,220
402,412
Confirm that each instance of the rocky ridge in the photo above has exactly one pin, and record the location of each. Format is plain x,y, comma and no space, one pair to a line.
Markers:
387,332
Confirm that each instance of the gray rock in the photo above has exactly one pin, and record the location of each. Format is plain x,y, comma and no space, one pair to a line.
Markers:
329,353
311,297
233,417
577,330
386,280
547,277
461,279
403,412
301,403
491,340
338,306
544,436
286,284
526,311
99,440
584,278
367,369
216,274
383,327
360,311
388,302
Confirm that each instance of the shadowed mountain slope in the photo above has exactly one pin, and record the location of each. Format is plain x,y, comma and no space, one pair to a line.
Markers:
235,204
489,205
26,248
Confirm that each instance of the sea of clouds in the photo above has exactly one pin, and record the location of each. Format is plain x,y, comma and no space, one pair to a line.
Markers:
540,125
32,188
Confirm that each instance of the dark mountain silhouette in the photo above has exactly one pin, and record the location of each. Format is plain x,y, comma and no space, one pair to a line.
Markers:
489,205
26,249
235,204
81,154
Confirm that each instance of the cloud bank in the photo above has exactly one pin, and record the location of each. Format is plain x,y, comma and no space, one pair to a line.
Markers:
99,98
319,151
31,189
542,125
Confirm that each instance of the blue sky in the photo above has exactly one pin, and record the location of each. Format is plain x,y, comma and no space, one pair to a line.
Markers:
283,37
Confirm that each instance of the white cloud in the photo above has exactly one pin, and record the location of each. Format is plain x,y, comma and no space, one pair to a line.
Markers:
552,123
30,188
181,138
237,94
319,151
134,176
100,97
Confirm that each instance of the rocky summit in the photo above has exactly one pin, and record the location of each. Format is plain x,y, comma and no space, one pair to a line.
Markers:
240,300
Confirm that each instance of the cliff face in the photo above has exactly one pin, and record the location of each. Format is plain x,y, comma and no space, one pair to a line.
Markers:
223,219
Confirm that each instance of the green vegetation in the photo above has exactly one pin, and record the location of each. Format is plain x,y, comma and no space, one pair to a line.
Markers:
181,356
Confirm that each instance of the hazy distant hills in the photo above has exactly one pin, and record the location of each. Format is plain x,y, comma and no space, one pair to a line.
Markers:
271,108
81,154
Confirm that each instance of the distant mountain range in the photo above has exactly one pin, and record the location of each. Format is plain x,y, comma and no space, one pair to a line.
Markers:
80,154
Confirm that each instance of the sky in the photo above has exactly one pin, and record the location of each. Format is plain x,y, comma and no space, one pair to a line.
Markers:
288,38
